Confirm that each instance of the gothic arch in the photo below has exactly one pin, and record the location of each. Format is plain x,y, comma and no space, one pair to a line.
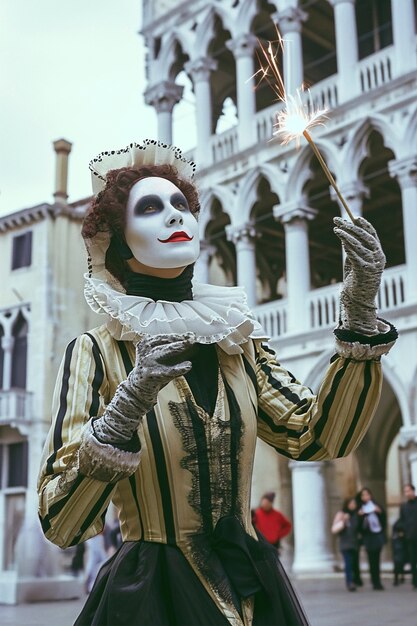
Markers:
407,145
246,13
225,198
205,30
413,400
300,171
168,54
356,148
248,191
398,389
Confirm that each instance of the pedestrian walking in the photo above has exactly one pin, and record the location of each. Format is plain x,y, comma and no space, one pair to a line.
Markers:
345,526
372,522
408,517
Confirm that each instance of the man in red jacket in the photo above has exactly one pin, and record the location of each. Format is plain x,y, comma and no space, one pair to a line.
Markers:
271,523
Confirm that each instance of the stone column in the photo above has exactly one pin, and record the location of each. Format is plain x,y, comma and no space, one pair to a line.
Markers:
347,51
200,71
7,319
290,25
202,265
163,97
7,342
297,259
405,171
243,236
413,467
403,30
312,551
243,49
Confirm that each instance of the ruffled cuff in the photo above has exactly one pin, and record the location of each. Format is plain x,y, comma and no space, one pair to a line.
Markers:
103,461
358,347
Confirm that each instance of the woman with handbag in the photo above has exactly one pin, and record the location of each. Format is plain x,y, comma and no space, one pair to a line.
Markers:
372,523
345,525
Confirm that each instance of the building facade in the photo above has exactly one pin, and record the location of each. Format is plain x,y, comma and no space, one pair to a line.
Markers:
266,220
42,308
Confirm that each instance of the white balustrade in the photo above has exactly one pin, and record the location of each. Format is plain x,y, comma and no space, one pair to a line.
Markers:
376,70
323,304
266,120
322,95
273,317
224,145
15,405
392,293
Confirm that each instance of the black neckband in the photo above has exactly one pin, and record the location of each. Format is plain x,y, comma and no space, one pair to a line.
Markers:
170,289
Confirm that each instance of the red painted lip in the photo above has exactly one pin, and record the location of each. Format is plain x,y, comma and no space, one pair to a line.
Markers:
179,235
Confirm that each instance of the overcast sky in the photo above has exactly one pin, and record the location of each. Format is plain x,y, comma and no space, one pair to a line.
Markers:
72,69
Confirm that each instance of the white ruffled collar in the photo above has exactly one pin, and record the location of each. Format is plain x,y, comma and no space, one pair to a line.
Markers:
215,315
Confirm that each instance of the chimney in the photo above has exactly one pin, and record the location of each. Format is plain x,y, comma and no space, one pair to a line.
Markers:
62,149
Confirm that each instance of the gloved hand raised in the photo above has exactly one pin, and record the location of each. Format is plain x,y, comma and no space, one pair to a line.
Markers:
159,359
365,261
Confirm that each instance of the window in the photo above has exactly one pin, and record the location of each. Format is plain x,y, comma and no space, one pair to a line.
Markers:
22,251
374,24
19,354
17,470
13,484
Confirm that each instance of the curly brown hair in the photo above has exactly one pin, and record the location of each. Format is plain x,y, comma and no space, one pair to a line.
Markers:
107,211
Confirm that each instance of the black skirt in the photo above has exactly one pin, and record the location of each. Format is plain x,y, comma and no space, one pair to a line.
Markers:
153,584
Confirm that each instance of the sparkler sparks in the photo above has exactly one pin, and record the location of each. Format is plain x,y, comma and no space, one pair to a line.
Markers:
296,117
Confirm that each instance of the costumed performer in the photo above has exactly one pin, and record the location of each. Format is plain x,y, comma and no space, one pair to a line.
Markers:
159,408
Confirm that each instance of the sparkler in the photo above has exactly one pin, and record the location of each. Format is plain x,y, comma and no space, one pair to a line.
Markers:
295,119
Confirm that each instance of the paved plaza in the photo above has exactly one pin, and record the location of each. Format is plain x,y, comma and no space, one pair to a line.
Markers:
325,600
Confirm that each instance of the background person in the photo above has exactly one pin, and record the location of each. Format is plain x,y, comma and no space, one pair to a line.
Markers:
399,551
270,522
408,518
372,523
345,525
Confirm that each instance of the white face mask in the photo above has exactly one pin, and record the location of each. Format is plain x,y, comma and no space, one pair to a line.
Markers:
160,229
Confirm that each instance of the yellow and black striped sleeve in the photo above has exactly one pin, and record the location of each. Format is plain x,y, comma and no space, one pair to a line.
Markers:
72,506
308,427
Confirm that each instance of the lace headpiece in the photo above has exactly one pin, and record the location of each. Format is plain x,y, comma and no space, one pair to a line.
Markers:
149,152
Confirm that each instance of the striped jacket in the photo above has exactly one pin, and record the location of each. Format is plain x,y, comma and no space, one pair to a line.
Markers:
194,468
273,404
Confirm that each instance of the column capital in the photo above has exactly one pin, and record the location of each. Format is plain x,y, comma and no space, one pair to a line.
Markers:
241,233
290,20
408,435
243,45
405,170
207,249
352,190
201,68
293,211
336,2
164,95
